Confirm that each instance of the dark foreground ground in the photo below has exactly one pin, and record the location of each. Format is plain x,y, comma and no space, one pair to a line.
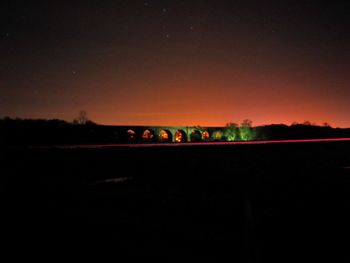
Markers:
246,203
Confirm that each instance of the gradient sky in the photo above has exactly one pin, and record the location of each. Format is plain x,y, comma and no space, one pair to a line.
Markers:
176,62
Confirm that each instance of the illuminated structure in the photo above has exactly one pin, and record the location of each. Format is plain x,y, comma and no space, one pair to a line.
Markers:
177,134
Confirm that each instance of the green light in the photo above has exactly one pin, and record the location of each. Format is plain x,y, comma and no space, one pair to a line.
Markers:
231,131
246,132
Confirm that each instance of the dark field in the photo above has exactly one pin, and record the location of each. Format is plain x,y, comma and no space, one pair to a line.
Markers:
247,203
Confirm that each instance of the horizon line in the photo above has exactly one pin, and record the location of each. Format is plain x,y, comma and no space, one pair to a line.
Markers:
305,123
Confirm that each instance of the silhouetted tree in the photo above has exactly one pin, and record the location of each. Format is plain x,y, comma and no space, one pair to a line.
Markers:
82,118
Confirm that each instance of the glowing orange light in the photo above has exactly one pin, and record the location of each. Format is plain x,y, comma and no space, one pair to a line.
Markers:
217,135
206,135
164,135
132,134
147,135
178,136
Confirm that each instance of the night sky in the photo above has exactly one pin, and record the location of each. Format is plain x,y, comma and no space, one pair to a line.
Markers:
176,62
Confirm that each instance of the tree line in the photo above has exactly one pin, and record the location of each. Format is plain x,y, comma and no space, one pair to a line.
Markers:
244,132
82,130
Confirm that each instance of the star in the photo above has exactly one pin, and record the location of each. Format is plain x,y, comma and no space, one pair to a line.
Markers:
164,10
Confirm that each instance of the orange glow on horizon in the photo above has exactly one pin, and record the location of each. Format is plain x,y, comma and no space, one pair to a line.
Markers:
214,97
131,64
199,94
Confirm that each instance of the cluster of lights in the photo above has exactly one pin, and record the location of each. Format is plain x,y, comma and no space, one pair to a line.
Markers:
147,135
178,136
244,133
164,135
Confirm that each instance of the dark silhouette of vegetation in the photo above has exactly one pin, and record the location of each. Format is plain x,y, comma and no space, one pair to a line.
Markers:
22,132
51,132
82,119
305,130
